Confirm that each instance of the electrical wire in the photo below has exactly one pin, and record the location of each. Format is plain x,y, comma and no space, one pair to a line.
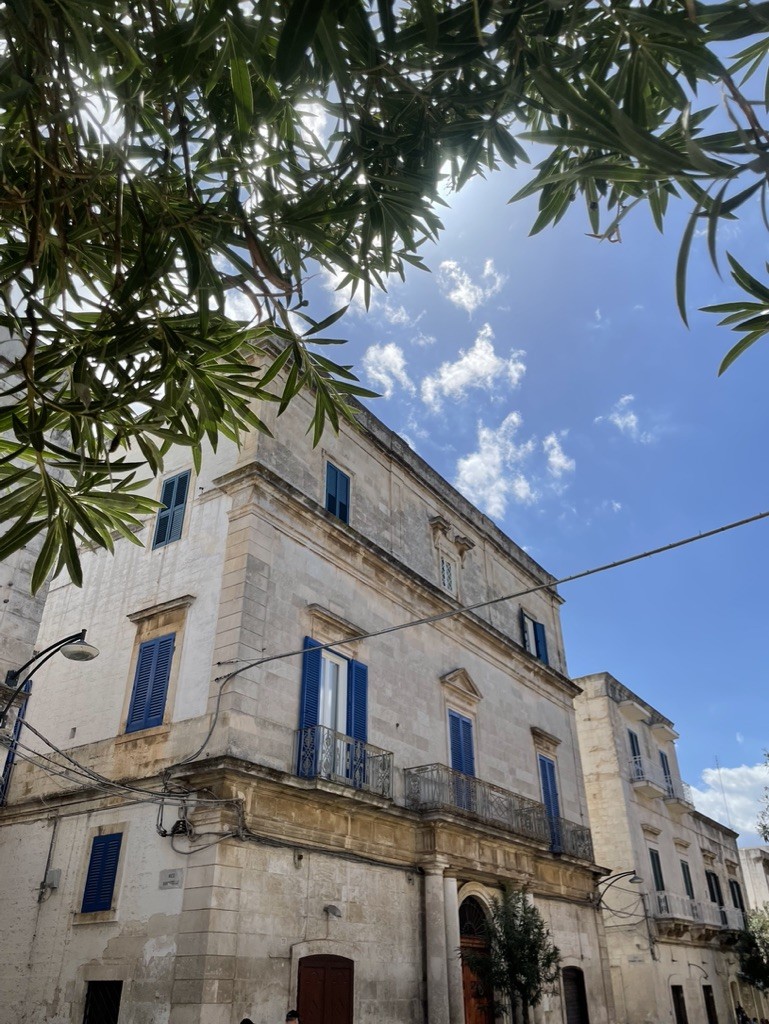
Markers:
454,612
101,782
125,787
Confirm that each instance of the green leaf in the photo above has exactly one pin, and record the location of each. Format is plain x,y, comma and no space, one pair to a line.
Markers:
299,27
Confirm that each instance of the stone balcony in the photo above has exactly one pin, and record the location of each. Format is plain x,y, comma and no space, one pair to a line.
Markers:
677,913
435,787
648,779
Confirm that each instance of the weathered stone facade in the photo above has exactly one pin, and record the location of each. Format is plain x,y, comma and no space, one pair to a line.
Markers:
260,859
755,869
670,938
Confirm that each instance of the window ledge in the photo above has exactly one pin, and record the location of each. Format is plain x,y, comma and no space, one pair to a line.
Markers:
165,606
141,734
95,917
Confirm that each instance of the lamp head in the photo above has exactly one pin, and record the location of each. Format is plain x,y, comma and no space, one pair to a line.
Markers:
80,651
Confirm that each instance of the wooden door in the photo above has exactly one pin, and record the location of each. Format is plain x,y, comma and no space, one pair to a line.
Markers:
574,996
479,1007
325,989
479,1004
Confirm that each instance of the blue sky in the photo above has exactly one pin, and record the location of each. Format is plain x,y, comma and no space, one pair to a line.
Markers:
552,381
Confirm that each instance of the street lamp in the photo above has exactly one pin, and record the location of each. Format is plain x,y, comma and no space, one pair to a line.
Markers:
609,881
73,647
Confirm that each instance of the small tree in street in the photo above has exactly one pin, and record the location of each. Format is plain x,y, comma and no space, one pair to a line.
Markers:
753,949
520,960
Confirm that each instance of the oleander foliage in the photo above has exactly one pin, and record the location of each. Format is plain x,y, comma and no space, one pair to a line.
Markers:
165,164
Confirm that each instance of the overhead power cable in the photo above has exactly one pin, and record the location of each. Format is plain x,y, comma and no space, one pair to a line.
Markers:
455,612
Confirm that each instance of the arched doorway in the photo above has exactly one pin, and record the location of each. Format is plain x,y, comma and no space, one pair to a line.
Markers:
574,996
324,990
479,1005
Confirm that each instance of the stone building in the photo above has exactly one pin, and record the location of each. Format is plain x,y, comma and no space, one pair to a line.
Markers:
225,816
674,902
755,870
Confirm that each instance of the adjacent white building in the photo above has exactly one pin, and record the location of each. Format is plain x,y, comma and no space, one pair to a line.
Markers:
674,902
755,870
261,795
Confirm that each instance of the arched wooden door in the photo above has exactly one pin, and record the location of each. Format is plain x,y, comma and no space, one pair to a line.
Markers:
479,1005
574,996
324,990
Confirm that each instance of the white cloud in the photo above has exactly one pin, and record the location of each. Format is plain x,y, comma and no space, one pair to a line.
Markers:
459,288
399,316
491,475
626,420
423,340
386,367
479,367
558,462
733,796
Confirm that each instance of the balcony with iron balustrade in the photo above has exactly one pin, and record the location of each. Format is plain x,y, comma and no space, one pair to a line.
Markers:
322,753
435,787
649,779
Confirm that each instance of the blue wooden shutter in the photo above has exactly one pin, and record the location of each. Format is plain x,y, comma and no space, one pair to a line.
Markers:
539,634
153,670
309,710
550,800
102,871
357,701
309,701
461,736
331,475
343,496
177,509
337,492
171,518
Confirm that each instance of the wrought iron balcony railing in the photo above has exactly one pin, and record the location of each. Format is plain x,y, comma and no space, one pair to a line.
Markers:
436,787
322,753
646,773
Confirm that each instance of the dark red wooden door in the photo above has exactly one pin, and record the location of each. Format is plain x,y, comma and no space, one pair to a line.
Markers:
324,990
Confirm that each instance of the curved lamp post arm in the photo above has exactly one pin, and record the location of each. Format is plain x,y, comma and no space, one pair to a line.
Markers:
607,883
14,674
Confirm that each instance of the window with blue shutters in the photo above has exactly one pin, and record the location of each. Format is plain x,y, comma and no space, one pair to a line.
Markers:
534,638
150,688
337,493
170,521
549,783
333,709
462,760
102,872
